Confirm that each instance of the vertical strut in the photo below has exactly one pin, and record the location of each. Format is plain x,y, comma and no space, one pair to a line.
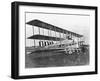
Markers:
33,34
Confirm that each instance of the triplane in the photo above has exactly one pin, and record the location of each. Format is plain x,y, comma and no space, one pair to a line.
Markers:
60,41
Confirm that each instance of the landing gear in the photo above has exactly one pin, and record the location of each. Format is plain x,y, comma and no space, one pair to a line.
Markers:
68,51
72,50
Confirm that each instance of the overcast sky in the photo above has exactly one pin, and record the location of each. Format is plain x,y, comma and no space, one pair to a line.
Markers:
76,23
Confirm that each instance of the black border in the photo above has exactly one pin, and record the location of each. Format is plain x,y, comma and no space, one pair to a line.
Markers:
15,39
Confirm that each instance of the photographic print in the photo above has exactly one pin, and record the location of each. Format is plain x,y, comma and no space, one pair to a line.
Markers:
51,40
54,39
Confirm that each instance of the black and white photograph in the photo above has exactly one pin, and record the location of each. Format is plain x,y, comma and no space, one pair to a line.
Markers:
51,40
54,39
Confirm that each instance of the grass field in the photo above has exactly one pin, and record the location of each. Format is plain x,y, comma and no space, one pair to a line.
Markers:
59,59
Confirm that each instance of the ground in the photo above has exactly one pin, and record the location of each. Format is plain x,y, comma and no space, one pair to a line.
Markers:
61,59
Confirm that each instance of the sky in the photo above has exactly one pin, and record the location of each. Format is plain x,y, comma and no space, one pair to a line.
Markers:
76,23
